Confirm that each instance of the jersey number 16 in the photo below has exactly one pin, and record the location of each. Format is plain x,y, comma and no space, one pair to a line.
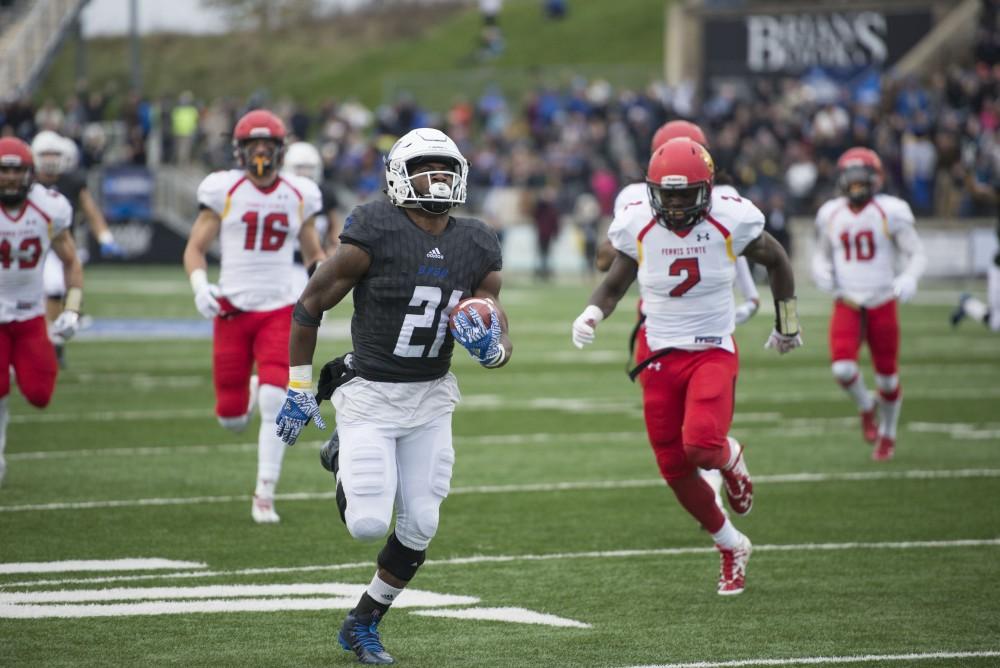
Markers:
274,234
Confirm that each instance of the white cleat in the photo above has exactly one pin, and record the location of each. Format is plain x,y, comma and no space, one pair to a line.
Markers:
262,510
733,570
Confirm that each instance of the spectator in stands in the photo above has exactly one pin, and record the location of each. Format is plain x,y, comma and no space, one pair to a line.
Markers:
184,127
491,42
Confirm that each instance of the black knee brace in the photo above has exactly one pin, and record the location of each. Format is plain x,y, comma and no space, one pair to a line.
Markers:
400,560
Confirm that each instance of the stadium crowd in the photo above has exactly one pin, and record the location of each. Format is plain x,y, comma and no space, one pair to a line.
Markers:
779,139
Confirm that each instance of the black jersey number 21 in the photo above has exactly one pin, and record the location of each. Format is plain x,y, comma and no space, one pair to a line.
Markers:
430,299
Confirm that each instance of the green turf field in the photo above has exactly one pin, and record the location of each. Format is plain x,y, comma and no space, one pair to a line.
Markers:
556,509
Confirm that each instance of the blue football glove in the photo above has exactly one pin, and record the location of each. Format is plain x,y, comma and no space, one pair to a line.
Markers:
482,342
298,409
112,249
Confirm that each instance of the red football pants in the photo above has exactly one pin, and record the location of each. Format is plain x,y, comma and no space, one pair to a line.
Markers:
27,347
879,326
688,403
241,339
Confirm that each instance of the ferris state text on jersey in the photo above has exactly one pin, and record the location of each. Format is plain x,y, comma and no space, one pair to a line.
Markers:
401,306
686,278
258,233
25,237
864,253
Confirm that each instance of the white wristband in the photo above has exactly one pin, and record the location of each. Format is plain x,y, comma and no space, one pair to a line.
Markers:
498,360
300,377
74,299
105,237
199,279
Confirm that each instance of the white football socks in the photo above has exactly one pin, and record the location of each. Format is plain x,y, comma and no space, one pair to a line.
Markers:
860,394
889,416
728,536
270,448
383,592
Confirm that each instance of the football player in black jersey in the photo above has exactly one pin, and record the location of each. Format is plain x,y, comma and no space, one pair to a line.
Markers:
55,158
409,264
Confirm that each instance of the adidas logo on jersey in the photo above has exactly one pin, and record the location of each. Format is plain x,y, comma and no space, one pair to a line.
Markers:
435,254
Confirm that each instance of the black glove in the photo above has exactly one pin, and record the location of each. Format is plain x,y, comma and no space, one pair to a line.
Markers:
335,373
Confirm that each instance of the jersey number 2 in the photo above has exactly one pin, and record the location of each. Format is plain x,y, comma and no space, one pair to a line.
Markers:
428,298
275,231
692,274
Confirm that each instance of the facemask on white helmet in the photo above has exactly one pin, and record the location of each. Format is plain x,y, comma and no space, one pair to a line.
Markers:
49,152
303,159
418,147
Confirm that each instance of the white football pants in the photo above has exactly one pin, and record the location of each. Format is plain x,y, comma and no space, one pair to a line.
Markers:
411,466
993,295
52,276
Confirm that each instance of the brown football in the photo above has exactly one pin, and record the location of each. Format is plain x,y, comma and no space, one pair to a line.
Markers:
472,303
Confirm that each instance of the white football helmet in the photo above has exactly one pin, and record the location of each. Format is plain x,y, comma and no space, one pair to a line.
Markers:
420,146
303,159
71,155
48,149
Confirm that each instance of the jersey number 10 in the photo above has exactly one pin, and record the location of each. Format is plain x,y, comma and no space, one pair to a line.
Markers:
863,246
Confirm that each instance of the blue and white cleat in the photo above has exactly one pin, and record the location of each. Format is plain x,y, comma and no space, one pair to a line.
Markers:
359,634
959,313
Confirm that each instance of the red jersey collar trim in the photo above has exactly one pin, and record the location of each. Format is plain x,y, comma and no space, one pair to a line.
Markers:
20,214
267,190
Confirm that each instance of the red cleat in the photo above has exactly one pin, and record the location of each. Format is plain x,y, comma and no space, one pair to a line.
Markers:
869,426
739,486
732,576
884,449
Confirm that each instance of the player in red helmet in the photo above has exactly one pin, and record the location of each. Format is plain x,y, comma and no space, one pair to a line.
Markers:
259,143
677,128
861,237
256,213
33,219
684,257
636,192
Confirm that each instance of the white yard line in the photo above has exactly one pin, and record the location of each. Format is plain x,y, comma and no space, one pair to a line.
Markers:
514,489
486,402
829,660
515,558
71,566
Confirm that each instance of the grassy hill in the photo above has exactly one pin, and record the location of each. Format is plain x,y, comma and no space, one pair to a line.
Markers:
431,54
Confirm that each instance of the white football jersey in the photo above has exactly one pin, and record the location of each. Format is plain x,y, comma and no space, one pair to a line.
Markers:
633,193
257,239
686,279
25,237
860,246
638,193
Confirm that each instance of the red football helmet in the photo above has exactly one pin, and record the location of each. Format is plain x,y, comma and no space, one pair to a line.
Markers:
679,180
260,158
16,170
860,174
673,130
